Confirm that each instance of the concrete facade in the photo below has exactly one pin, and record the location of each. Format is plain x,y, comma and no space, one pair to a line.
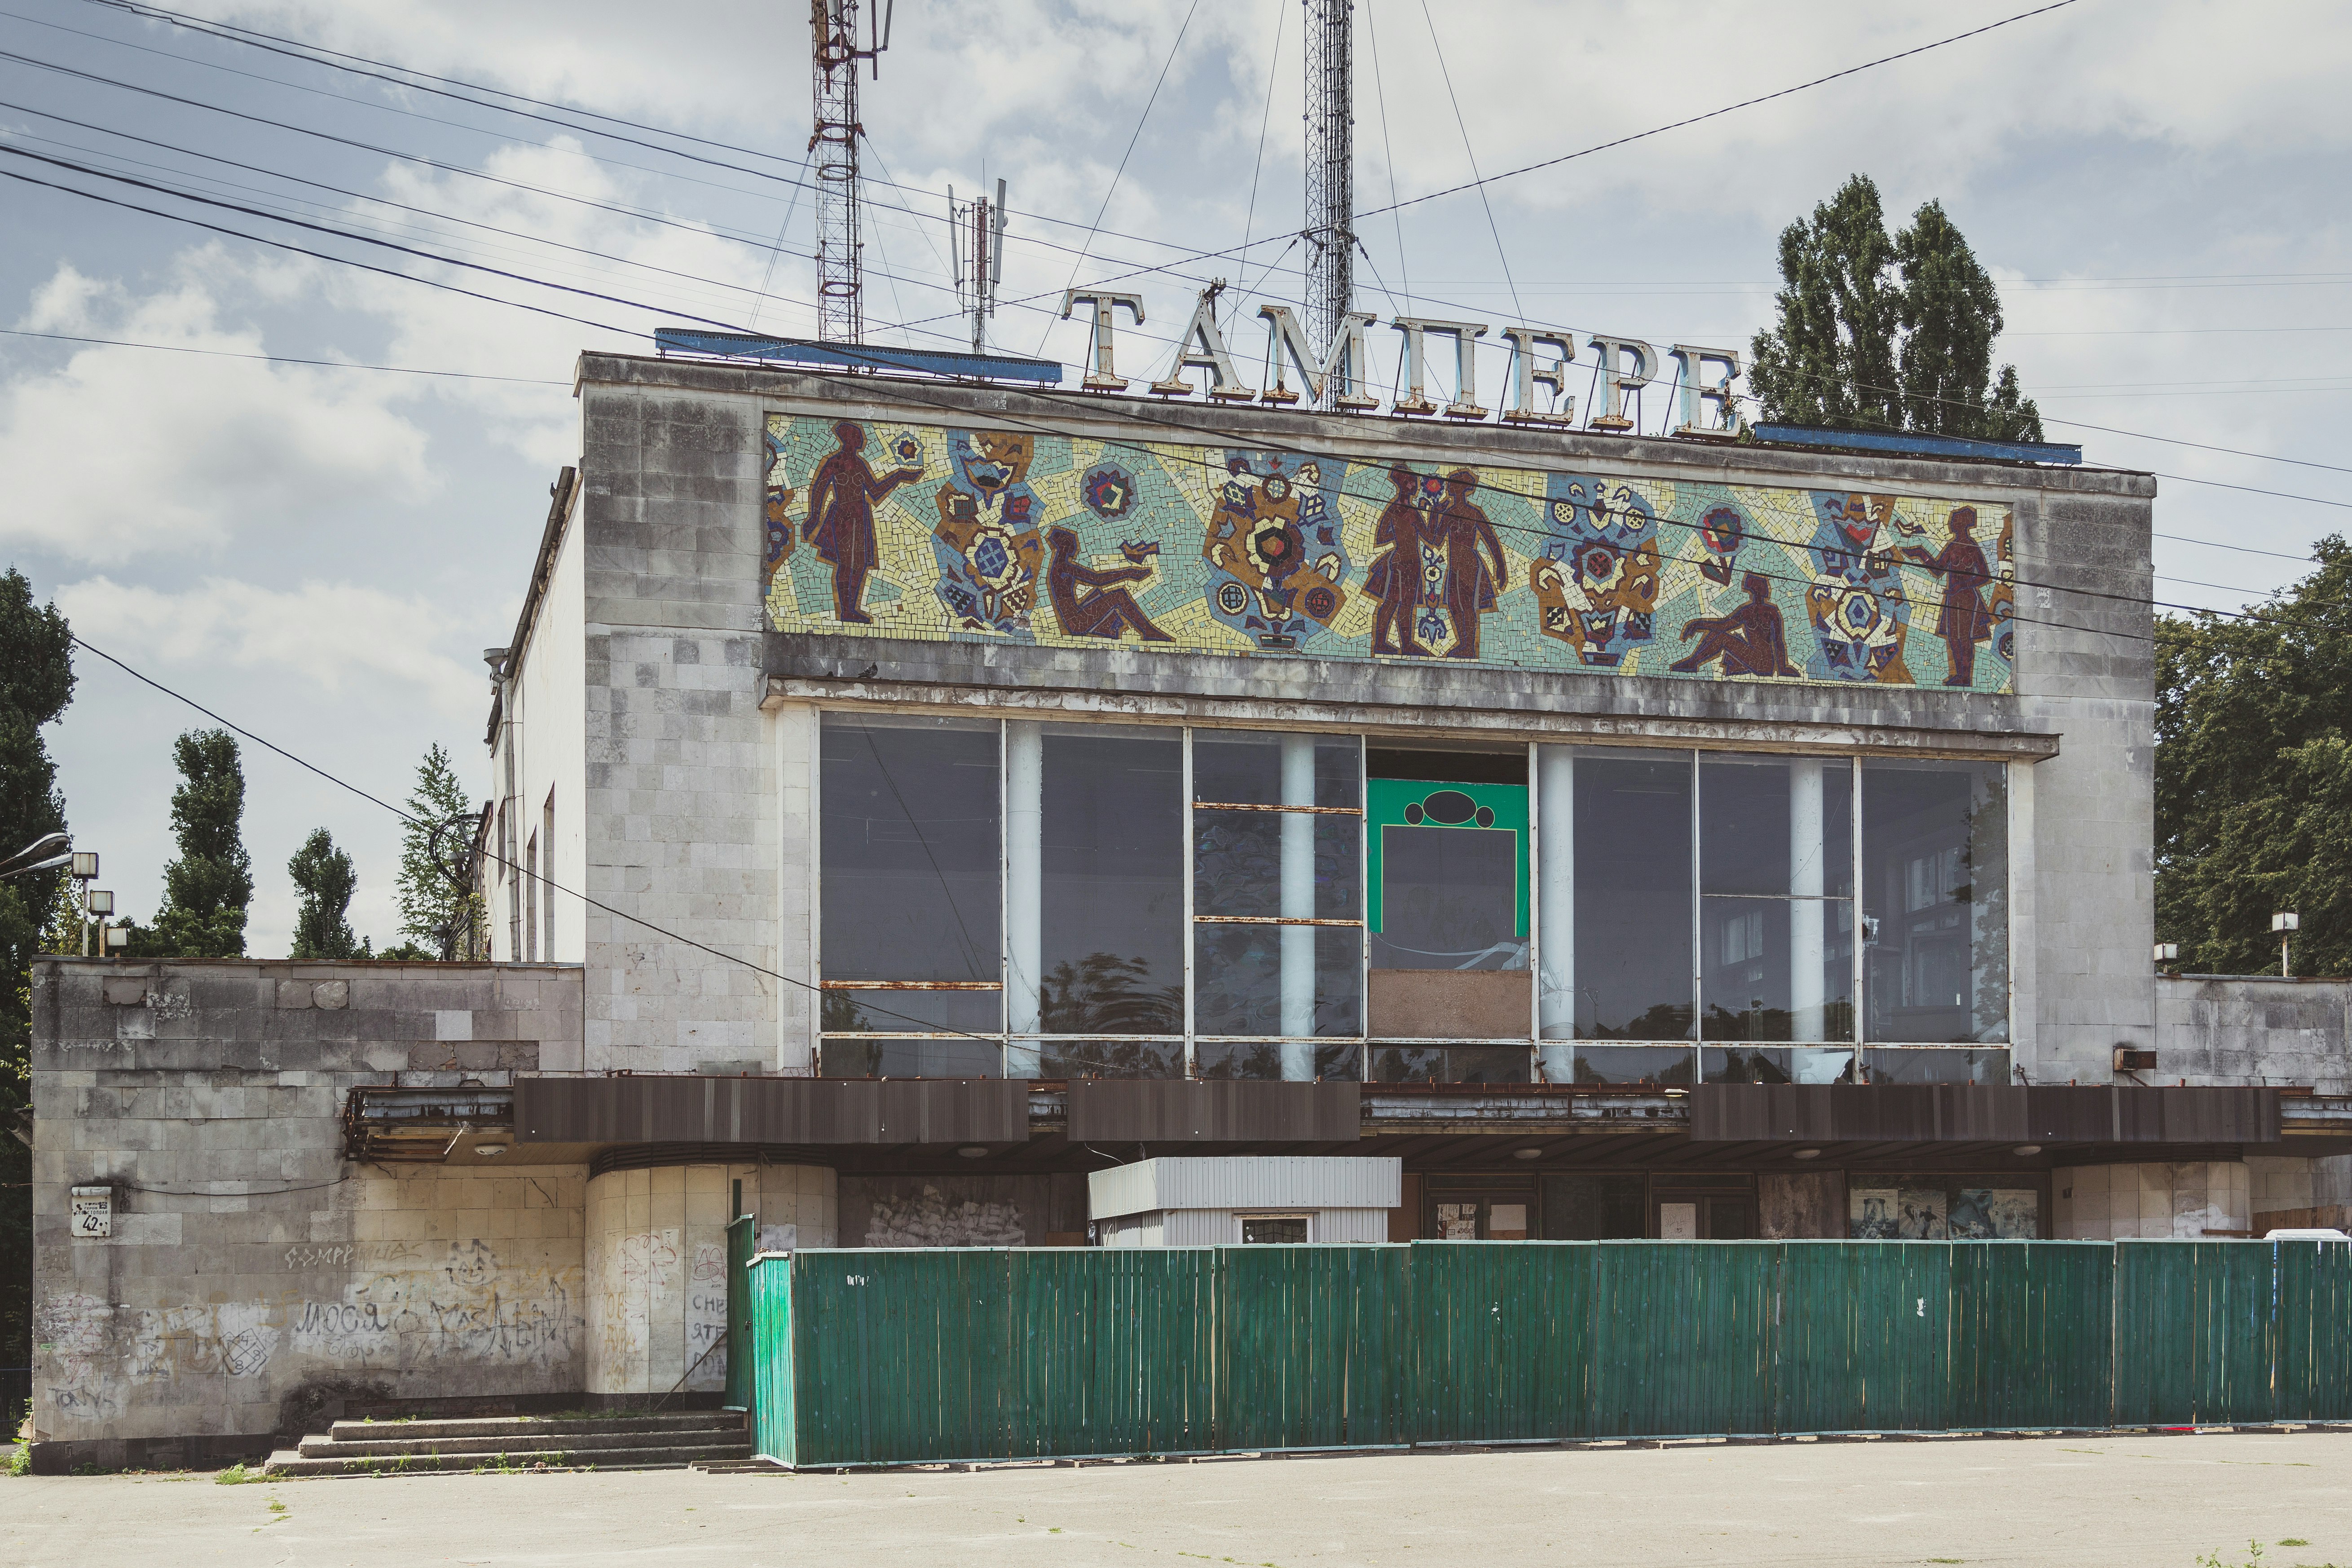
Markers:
2253,1028
2193,1200
254,1276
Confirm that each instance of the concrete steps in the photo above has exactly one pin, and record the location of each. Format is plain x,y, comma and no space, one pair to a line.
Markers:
518,1443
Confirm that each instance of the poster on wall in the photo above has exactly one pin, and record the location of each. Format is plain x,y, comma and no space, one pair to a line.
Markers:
1996,1214
909,531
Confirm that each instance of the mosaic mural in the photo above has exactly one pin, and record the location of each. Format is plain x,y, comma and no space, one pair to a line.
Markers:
911,530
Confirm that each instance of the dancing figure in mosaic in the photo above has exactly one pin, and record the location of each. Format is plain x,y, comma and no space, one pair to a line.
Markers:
1108,609
840,497
1965,620
1393,581
1751,641
1470,540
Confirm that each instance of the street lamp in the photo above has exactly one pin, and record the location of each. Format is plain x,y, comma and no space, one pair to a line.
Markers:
85,871
2286,924
23,862
2167,953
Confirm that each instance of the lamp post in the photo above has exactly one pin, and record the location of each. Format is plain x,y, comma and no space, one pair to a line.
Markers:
2167,953
99,903
85,872
2286,924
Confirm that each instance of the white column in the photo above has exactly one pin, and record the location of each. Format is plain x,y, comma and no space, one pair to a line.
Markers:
1025,878
1298,904
1556,907
1808,862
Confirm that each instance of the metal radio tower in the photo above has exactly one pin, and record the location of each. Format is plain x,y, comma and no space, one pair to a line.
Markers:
1330,172
840,280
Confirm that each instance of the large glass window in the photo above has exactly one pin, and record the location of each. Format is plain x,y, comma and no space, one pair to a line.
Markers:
1776,907
910,843
1111,882
1632,895
1935,900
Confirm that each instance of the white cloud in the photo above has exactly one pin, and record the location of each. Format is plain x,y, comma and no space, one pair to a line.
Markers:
123,453
335,637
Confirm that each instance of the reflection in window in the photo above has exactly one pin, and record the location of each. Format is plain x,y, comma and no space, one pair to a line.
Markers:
1632,897
1776,914
1936,902
1111,883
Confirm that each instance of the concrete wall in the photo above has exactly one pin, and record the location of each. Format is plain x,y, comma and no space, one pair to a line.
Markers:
2252,1030
657,1254
681,784
2189,1200
1804,1205
540,762
955,1210
254,1275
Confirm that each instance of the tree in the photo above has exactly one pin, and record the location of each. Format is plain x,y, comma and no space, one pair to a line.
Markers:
444,916
36,681
209,888
1886,334
2253,777
323,874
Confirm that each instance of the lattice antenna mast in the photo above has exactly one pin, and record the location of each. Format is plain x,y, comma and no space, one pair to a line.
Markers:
1331,175
834,57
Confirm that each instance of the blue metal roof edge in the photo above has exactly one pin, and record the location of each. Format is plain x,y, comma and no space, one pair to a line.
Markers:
797,351
1918,445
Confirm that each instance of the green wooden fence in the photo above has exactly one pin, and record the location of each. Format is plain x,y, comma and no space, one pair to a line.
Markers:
902,1356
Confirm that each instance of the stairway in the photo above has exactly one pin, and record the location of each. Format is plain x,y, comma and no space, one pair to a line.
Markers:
518,1443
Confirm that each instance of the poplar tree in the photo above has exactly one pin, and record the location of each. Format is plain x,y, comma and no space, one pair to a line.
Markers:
209,888
324,879
36,681
1880,334
440,916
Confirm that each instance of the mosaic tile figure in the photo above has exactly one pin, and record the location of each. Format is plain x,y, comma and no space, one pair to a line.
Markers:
1962,621
1395,580
1467,540
1750,640
1274,550
987,543
841,498
1860,611
1087,600
1604,550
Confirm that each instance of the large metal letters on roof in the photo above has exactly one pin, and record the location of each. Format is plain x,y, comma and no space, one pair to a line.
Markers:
920,531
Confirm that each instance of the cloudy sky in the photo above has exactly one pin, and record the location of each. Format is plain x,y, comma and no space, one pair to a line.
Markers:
321,552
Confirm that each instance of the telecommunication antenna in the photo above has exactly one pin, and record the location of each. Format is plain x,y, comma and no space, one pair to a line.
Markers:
1330,173
840,280
976,238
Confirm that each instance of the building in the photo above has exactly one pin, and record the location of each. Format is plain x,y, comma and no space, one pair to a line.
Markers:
913,796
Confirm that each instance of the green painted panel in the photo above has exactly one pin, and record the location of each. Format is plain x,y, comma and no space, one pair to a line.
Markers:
741,1240
1110,1351
1309,1354
902,1355
774,1379
1503,1333
2195,1333
1386,804
1864,1336
2314,1331
1681,1338
2032,1324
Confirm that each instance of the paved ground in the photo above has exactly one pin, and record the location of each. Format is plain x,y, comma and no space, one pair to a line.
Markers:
2148,1502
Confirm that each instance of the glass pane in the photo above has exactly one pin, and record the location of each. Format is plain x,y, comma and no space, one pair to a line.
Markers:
1449,1064
1777,969
1775,1064
1248,766
882,1012
1237,979
1934,862
1239,861
1113,893
1633,1064
1288,1232
1937,1067
1776,825
910,850
1449,900
1110,1059
1581,1207
1264,1059
910,1058
1633,895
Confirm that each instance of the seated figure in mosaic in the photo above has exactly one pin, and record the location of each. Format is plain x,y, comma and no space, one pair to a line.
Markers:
1108,609
1751,641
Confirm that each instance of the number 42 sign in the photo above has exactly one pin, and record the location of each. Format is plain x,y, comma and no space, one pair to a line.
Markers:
93,1212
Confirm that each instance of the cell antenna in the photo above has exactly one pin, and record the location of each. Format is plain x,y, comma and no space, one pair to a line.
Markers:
832,143
1331,175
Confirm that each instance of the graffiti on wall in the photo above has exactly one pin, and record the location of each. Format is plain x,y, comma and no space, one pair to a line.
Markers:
909,531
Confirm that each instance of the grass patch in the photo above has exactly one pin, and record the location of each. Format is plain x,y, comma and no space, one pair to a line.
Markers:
237,1475
20,1459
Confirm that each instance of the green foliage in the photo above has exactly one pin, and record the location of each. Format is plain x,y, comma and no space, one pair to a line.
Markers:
36,681
207,890
324,878
445,919
237,1475
20,1459
1880,334
2254,778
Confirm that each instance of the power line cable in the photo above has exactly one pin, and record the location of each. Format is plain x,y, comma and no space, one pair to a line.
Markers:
281,359
1266,120
1140,120
1388,159
1447,76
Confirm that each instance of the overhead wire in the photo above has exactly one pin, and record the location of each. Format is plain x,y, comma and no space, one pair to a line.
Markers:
1471,155
280,359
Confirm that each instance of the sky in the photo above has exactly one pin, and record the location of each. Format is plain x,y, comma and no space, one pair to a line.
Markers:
321,552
